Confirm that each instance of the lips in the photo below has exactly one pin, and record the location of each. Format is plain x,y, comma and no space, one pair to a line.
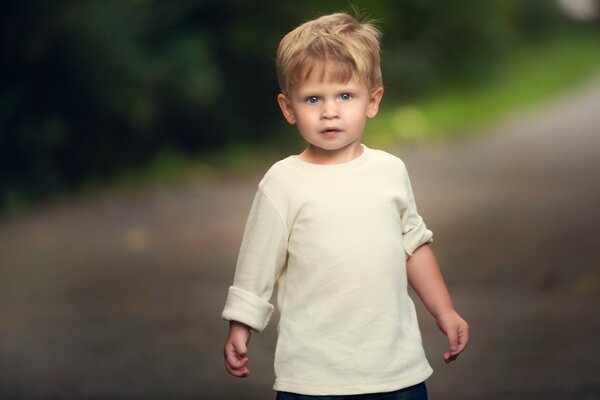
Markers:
330,131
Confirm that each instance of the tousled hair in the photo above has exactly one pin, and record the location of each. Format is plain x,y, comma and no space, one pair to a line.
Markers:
338,45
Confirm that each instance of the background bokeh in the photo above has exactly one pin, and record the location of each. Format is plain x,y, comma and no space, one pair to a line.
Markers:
90,89
133,135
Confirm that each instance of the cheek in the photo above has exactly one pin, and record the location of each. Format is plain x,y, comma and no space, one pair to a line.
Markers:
358,115
305,118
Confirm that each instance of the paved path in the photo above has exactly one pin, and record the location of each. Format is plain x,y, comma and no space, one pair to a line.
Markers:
119,296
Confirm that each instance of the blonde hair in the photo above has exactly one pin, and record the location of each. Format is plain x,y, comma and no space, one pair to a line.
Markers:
339,44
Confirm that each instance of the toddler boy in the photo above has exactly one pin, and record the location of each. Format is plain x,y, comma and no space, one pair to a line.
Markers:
337,229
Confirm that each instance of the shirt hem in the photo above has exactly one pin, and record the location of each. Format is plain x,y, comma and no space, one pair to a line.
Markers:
315,389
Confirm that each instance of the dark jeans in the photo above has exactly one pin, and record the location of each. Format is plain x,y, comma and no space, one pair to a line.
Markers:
417,392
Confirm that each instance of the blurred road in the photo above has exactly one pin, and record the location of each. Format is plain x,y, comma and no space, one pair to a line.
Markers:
119,296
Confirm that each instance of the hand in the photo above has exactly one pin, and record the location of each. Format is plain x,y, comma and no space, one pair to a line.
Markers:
457,331
236,350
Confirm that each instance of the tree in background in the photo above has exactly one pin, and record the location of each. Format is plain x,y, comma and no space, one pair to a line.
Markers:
89,88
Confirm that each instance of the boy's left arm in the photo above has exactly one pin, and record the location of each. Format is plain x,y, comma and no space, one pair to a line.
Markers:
425,277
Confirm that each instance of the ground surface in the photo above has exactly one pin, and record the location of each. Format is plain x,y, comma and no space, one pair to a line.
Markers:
119,296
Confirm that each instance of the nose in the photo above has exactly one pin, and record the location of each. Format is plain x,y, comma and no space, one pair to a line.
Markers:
329,110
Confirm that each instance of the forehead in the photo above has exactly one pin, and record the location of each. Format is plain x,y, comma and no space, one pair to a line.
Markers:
328,73
323,87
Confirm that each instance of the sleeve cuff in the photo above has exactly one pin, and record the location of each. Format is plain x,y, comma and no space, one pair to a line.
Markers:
417,237
244,307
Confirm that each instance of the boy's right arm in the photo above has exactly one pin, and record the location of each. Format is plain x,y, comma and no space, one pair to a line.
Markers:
236,349
262,257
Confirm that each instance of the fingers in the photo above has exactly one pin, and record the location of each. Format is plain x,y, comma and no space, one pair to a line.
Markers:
453,340
463,337
241,372
453,352
236,359
235,362
448,357
458,339
457,331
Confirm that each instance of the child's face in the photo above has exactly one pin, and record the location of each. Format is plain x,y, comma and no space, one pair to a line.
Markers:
331,115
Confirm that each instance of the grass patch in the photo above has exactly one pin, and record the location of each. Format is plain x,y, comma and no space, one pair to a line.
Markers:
173,166
531,75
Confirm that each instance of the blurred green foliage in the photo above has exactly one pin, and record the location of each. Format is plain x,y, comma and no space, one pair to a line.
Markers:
91,88
529,76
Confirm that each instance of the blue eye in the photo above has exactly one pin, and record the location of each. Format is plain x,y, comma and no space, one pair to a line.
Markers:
312,99
345,96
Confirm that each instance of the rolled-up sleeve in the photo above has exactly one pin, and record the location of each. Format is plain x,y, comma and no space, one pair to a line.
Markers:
261,259
414,230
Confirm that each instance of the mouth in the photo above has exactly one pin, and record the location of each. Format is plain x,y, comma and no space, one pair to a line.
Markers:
330,131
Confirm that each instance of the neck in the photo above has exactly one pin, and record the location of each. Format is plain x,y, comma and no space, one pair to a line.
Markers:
316,155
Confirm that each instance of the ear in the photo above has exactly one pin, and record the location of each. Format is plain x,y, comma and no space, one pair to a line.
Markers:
374,101
286,109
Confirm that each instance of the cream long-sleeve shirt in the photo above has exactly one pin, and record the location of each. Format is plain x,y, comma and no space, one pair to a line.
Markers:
335,239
